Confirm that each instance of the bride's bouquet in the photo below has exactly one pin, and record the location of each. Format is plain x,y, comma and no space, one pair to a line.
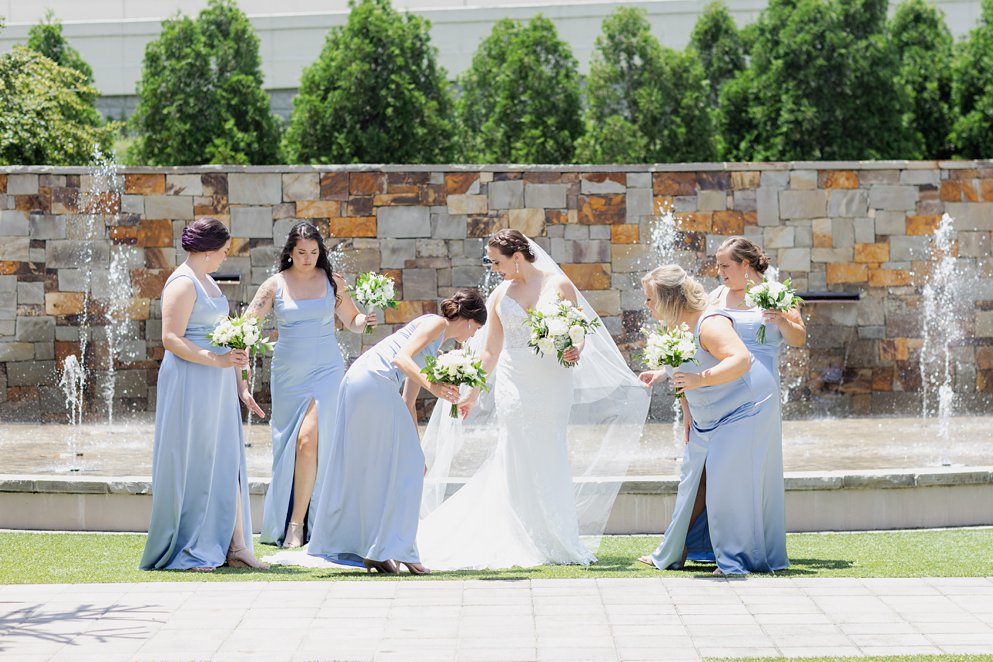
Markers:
459,367
557,326
242,332
771,295
669,347
374,290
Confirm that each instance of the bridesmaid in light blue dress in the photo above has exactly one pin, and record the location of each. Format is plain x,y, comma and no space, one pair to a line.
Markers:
718,503
741,263
200,510
307,370
369,505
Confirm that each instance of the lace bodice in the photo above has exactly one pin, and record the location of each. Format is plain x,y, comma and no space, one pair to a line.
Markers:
516,332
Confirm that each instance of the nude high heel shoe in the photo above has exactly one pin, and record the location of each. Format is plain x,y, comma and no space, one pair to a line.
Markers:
294,536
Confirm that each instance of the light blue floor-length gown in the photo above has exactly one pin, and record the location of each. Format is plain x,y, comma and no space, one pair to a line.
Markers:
306,366
371,494
724,440
198,459
747,323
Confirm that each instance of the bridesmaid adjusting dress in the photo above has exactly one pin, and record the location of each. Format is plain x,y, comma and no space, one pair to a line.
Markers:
307,370
200,511
370,500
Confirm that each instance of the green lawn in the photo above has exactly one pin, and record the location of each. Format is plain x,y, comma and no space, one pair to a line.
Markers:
37,558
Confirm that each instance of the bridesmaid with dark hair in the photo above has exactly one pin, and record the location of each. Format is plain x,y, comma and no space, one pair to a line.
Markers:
200,510
307,370
370,500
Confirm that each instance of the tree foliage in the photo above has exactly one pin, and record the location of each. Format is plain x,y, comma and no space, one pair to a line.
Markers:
200,98
375,94
722,52
46,38
520,100
822,84
972,90
48,117
645,103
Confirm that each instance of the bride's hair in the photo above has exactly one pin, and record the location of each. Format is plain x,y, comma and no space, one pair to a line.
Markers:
508,242
674,291
466,303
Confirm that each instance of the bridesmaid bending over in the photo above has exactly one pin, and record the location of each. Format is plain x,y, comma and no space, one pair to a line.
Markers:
307,370
370,500
718,503
200,512
740,264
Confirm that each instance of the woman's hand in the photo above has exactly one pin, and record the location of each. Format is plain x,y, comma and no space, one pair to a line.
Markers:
371,319
571,355
468,402
236,358
687,426
652,377
773,317
249,400
446,392
686,381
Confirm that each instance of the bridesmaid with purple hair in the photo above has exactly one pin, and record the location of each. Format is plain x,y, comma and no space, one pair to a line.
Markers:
200,511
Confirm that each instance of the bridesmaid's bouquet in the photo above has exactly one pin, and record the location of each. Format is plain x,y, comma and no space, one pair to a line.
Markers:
669,347
558,326
459,367
243,332
374,290
771,295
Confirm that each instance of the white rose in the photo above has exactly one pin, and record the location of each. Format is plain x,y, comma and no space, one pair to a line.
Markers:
558,327
577,334
251,337
548,309
546,345
776,290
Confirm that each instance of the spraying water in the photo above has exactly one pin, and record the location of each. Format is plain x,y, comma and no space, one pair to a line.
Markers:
71,382
118,319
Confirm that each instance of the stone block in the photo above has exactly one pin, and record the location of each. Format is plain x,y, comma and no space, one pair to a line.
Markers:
831,254
551,196
794,259
507,194
579,232
318,209
366,183
888,277
974,244
674,183
15,249
803,179
420,283
640,202
251,222
176,207
877,253
767,205
775,178
460,183
22,184
870,177
929,177
360,226
854,202
467,204
922,224
183,185
35,329
602,209
254,188
71,254
144,184
842,233
838,179
530,221
745,179
906,249
587,251
334,186
31,293
13,223
865,230
728,222
395,253
842,272
778,237
30,373
44,226
802,204
628,233
891,222
466,276
404,221
588,276
971,216
16,351
301,186
639,179
605,303
984,323
893,197
603,182
438,248
626,258
712,201
447,226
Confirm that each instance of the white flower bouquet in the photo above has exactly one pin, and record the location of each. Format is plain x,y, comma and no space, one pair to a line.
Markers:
557,326
243,332
459,367
374,290
669,347
771,295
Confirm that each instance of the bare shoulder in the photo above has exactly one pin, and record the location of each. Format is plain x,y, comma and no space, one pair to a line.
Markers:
562,285
716,324
181,286
715,295
339,280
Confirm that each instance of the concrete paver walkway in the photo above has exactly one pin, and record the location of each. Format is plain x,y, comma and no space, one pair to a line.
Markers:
585,619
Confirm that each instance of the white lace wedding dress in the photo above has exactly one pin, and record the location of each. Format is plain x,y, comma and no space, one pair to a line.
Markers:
519,508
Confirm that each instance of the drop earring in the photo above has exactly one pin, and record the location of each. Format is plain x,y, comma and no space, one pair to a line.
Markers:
290,259
517,266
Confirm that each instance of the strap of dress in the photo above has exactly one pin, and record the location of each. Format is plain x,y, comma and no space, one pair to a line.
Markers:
712,313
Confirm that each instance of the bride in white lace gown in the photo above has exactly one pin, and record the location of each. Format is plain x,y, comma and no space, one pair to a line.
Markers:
522,507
